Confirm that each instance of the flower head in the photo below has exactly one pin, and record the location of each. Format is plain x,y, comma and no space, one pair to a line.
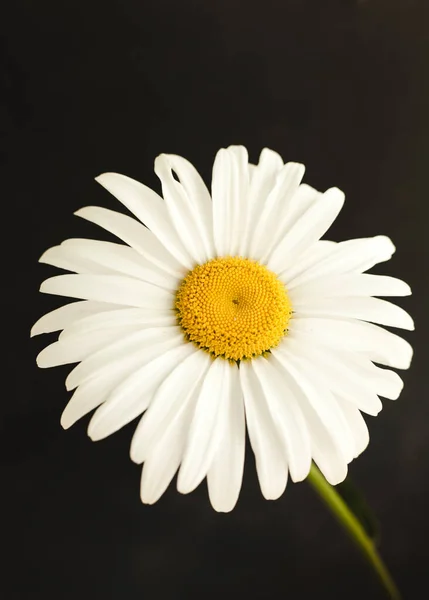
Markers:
224,311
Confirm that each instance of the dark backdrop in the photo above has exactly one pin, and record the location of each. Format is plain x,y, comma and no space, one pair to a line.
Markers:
96,86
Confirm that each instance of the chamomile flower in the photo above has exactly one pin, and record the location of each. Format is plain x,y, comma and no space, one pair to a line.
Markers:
221,312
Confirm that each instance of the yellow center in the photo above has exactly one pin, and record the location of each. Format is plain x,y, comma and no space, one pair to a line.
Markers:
233,307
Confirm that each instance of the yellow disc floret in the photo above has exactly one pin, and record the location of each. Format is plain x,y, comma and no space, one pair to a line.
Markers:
233,307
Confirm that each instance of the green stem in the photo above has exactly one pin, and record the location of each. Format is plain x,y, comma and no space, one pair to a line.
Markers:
348,520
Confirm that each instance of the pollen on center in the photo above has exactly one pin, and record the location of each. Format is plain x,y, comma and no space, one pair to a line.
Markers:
233,307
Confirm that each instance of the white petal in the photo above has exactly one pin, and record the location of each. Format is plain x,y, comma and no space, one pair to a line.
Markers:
135,235
334,372
189,204
225,475
271,463
117,258
367,309
286,415
276,211
150,209
166,454
169,402
115,289
326,454
230,184
139,347
69,314
205,433
79,348
378,344
131,397
314,255
352,256
64,258
357,426
319,397
309,227
348,285
262,179
93,392
139,318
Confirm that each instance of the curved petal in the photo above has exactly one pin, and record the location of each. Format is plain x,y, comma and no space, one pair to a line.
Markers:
348,285
230,184
287,417
225,474
64,258
276,213
133,395
308,228
116,289
166,412
314,255
367,309
189,204
68,314
334,372
135,235
150,209
352,256
271,464
139,347
262,178
205,432
117,259
357,426
318,397
378,344
79,348
139,318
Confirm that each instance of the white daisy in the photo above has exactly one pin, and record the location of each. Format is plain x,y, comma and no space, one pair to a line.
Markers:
222,310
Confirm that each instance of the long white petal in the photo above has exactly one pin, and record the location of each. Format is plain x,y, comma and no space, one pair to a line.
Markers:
132,397
225,475
115,289
352,256
164,459
310,227
377,343
311,257
276,212
230,182
348,285
150,209
68,314
286,415
357,426
189,204
64,258
79,348
319,397
367,309
271,464
139,318
117,258
93,392
335,373
139,346
169,402
262,178
205,432
135,235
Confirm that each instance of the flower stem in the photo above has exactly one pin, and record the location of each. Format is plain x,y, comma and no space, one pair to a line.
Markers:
353,527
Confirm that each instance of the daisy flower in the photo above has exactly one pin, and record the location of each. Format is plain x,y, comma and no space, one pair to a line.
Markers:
222,312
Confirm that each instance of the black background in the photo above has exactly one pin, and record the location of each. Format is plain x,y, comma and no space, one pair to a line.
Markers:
98,86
